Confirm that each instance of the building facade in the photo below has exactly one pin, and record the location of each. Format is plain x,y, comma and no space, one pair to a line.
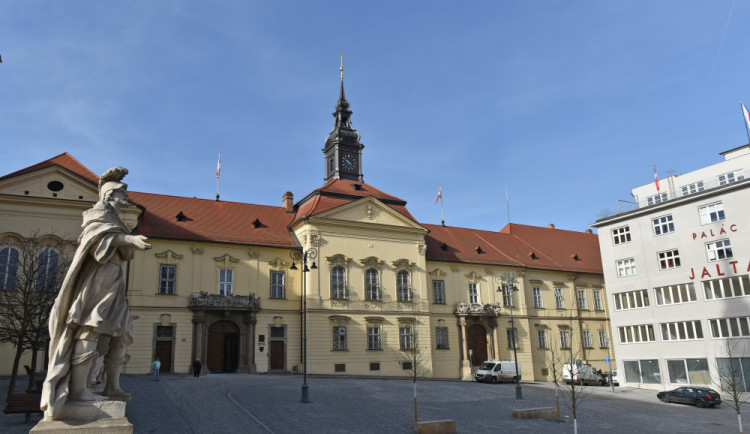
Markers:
677,272
222,285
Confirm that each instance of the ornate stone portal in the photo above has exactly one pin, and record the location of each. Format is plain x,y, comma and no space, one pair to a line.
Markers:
478,334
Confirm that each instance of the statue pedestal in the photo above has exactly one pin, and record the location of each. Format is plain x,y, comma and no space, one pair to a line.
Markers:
88,417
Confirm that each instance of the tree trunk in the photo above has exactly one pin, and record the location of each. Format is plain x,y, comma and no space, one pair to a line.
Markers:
14,372
416,419
739,420
32,374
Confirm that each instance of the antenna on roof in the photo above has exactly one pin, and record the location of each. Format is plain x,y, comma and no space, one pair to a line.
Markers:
507,205
218,172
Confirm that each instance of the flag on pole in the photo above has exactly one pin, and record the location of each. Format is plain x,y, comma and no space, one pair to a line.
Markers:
656,179
440,194
218,167
746,116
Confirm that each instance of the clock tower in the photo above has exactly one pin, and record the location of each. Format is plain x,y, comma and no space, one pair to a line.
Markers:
343,151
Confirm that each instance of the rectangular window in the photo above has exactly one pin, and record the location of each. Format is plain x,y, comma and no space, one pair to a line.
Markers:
564,342
473,293
675,294
636,334
631,300
586,338
625,267
642,371
718,250
375,366
339,367
711,213
507,296
726,287
373,338
663,225
225,281
277,284
731,177
339,338
559,301
681,331
657,198
167,279
597,300
621,235
164,331
441,337
603,340
537,291
582,299
738,327
688,371
737,369
372,284
692,188
669,259
406,337
512,337
403,287
542,337
438,291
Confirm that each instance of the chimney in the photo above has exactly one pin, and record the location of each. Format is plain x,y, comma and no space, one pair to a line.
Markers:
589,231
551,225
288,201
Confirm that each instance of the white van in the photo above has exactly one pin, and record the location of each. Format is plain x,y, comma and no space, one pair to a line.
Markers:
495,371
581,373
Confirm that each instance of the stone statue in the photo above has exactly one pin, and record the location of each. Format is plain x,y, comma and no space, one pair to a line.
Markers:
92,303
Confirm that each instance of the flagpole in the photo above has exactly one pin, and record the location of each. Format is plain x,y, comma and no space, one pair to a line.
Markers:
442,212
507,202
744,117
218,171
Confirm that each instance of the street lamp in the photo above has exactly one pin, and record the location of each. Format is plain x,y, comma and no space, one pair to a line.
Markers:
510,280
303,256
609,362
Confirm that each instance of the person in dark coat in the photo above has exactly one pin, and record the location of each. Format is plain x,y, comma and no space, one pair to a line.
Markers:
196,369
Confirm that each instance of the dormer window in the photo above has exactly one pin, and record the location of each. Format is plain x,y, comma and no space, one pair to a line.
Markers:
532,255
479,250
357,187
444,247
257,223
181,217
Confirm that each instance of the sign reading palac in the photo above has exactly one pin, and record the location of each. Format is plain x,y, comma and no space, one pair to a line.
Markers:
706,272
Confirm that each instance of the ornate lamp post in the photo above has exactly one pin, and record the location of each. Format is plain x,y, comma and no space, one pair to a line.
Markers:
509,280
303,256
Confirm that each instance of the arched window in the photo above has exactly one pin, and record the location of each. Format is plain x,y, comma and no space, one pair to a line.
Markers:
8,268
46,273
338,285
403,290
372,284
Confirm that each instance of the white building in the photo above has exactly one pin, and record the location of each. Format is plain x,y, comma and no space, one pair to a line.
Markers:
676,265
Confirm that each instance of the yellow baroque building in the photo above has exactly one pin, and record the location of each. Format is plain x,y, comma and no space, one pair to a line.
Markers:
220,284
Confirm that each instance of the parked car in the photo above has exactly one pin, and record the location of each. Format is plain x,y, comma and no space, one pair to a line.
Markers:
583,373
606,380
615,378
698,396
495,371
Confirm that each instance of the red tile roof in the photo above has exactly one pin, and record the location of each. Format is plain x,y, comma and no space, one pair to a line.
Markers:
64,160
519,245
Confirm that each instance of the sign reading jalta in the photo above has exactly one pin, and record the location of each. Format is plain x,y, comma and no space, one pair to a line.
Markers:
708,270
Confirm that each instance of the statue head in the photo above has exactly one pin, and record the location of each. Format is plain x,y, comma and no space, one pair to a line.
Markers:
110,182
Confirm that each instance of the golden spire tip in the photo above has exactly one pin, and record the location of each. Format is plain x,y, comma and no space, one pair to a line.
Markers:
341,68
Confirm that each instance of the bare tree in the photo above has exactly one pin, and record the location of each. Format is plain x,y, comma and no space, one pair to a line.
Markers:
32,271
572,391
554,364
730,377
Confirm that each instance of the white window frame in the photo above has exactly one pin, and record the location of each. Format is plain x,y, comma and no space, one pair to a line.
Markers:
657,198
374,337
512,337
628,300
581,298
636,334
507,296
719,250
603,339
339,338
669,259
621,235
559,299
663,225
278,289
441,338
168,281
692,188
48,263
372,284
731,177
736,327
726,287
438,291
541,336
403,285
681,331
675,294
537,293
711,213
9,268
226,281
564,341
586,339
597,295
626,267
406,337
338,283
473,293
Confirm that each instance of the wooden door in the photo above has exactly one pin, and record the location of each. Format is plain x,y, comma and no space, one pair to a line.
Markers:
163,351
277,356
222,347
477,343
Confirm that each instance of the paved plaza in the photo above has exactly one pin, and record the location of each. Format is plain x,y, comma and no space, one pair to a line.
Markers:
270,404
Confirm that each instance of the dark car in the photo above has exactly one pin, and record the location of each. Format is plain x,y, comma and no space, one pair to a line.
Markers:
698,396
605,379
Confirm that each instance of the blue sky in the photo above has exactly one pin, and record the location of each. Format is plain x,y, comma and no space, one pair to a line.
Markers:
569,103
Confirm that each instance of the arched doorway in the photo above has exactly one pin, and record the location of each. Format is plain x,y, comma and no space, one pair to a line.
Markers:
223,347
477,343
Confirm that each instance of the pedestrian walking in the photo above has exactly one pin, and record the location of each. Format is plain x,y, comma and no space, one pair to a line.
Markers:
196,369
156,365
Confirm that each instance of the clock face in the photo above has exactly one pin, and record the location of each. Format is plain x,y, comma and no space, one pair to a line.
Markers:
349,162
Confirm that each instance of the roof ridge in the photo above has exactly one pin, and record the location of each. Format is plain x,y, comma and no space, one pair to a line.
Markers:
204,199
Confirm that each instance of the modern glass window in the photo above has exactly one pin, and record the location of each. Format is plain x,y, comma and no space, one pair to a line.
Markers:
406,337
711,213
735,368
473,293
277,284
403,288
657,198
586,338
738,327
688,371
225,281
675,294
564,341
642,371
373,338
338,283
512,337
597,299
726,287
339,338
681,331
718,250
621,235
438,291
507,296
8,268
541,336
636,334
441,337
582,299
631,300
663,225
46,273
731,177
537,292
559,301
669,259
603,340
692,188
372,284
167,278
625,267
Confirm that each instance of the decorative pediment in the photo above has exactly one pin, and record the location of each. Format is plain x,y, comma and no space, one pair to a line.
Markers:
473,277
478,309
339,320
403,264
437,274
226,259
372,262
168,256
224,302
253,254
51,182
369,210
278,264
338,260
